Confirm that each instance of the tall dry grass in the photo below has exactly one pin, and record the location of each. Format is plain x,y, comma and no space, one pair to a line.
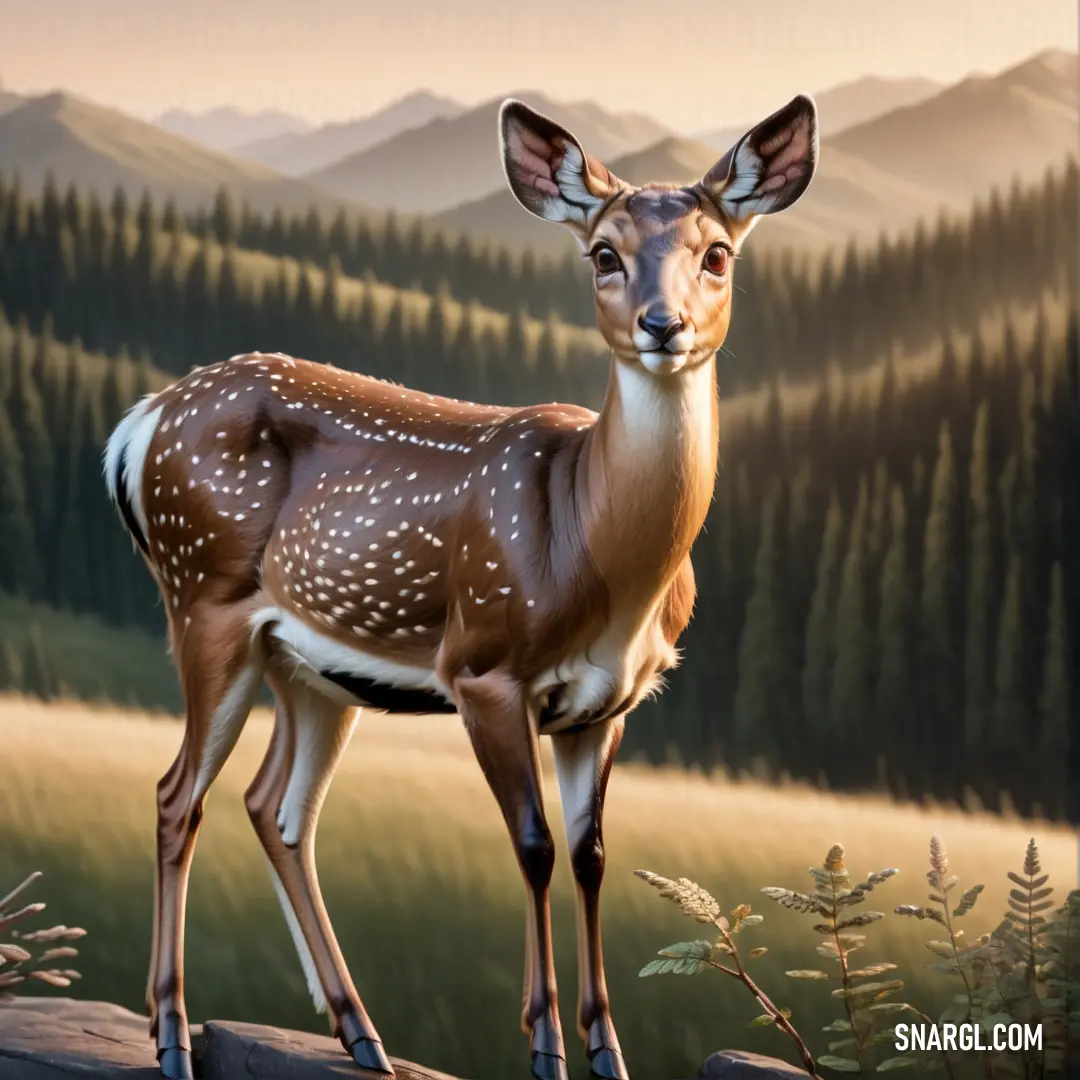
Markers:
425,894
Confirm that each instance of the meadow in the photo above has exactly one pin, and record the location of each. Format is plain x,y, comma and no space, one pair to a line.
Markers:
421,882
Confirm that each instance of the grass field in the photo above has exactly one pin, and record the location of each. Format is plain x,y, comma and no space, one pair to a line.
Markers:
419,876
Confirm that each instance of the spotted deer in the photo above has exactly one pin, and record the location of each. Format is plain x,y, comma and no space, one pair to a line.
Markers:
355,543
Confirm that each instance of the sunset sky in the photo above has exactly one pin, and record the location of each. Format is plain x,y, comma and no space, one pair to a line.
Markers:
692,63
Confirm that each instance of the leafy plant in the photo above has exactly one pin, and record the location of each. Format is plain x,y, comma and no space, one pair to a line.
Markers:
694,957
1027,971
862,991
19,963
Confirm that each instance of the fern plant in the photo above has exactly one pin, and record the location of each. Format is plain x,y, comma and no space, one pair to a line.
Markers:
861,990
19,963
694,957
1027,971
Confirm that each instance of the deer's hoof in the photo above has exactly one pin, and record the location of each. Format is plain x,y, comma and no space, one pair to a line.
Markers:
175,1064
369,1054
608,1064
549,1067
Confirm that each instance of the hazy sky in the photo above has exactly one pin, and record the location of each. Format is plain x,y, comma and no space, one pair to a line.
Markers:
691,63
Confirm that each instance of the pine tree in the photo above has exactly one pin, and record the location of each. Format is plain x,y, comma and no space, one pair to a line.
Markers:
978,686
763,696
1054,699
1009,719
20,571
223,218
938,659
849,703
892,697
820,626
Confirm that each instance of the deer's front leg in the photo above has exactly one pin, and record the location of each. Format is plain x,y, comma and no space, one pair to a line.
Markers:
504,737
583,763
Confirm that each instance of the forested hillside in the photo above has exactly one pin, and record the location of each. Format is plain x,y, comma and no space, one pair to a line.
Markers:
889,580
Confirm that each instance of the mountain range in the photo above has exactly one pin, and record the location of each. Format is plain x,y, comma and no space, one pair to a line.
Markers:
298,153
893,150
849,103
227,128
99,148
451,160
909,163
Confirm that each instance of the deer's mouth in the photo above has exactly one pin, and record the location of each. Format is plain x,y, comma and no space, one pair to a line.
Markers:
662,361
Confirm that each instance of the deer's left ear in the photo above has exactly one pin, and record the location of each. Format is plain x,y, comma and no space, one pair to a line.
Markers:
769,167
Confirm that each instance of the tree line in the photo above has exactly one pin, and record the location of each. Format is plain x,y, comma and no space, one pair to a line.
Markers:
143,279
889,578
887,571
889,582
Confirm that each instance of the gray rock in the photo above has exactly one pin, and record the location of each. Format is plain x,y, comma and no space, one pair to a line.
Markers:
740,1065
58,1038
239,1051
50,1038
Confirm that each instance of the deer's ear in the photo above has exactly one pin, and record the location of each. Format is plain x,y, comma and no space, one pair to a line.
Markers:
769,167
549,172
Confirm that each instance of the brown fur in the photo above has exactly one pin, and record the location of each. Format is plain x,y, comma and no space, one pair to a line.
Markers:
533,562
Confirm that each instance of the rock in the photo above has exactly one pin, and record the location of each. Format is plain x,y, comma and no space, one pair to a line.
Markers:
50,1038
58,1038
234,1051
740,1065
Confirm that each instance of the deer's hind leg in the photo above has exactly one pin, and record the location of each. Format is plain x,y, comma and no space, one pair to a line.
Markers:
220,668
284,802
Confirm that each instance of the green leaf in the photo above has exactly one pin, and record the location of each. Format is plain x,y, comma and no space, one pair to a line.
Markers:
838,1064
761,950
838,1025
764,1020
967,901
701,950
806,974
752,920
896,1063
890,1007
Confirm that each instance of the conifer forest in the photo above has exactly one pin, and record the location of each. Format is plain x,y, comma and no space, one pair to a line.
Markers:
889,578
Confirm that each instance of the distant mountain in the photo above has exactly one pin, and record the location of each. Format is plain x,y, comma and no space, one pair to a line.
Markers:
449,161
226,128
981,131
8,100
295,154
885,174
96,147
847,196
849,103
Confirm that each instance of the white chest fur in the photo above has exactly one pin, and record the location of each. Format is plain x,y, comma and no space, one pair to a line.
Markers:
586,684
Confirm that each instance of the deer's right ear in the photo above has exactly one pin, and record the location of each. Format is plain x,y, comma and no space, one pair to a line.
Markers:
549,172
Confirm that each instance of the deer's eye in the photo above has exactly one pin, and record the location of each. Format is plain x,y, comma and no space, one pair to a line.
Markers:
716,260
605,260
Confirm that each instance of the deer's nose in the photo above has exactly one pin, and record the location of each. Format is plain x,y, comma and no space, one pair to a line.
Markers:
661,324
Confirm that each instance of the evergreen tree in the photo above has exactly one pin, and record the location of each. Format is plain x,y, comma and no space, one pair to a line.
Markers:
1054,699
20,571
1009,717
978,683
849,704
820,627
892,698
938,659
763,700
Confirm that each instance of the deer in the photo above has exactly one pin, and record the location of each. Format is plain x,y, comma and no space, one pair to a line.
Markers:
355,544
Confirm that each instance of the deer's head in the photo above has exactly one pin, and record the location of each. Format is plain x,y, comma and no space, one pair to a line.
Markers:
662,256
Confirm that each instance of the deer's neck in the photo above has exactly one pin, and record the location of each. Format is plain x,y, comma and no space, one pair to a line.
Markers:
648,470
